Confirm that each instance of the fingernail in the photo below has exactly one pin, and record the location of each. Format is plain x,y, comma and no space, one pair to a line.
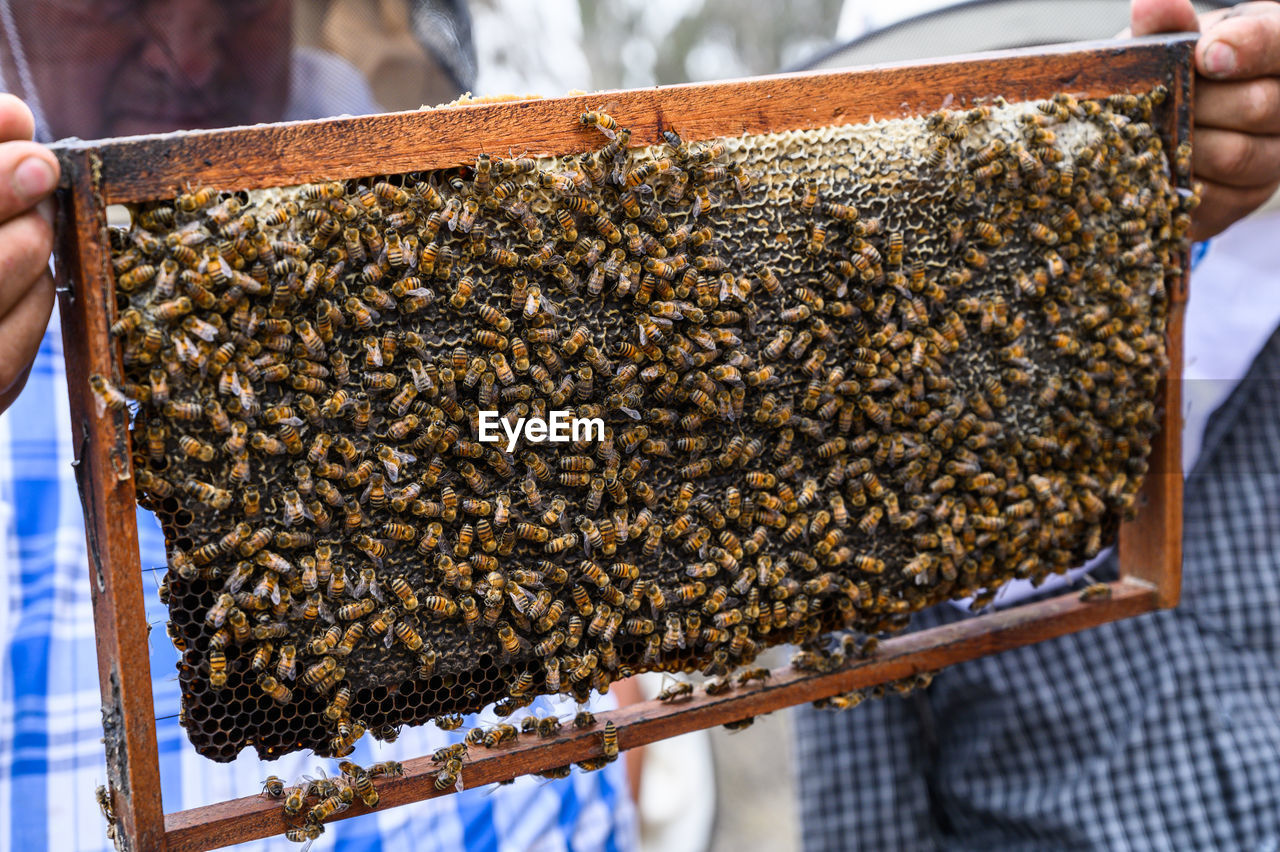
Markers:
33,178
46,210
1219,59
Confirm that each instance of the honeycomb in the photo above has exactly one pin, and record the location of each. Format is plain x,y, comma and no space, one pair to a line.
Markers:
841,374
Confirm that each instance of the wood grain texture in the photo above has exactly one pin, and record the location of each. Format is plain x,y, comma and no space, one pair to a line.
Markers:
154,167
103,471
255,817
151,167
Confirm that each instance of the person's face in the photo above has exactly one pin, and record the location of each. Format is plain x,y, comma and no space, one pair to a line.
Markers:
121,67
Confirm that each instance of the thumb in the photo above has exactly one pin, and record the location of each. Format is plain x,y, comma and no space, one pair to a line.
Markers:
1150,17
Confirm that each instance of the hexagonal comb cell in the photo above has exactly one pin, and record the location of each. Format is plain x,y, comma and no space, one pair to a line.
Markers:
839,375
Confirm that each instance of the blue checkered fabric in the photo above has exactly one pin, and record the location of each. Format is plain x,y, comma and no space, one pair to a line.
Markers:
1160,732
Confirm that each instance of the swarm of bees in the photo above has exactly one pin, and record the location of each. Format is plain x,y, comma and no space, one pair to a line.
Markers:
902,687
314,801
317,800
845,374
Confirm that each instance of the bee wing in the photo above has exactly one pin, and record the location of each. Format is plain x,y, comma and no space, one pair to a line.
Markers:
547,305
619,173
531,305
420,379
203,330
232,376
443,545
519,598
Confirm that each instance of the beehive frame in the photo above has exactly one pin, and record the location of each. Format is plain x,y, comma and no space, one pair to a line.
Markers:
96,174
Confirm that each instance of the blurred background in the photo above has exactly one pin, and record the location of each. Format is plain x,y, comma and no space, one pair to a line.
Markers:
555,46
635,43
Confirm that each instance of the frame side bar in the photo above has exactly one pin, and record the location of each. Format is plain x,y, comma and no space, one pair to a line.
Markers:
104,478
152,167
255,817
1150,546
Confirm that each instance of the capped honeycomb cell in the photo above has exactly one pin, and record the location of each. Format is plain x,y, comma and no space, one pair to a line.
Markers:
839,375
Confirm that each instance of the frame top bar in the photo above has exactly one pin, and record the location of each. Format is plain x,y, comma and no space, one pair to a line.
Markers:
147,168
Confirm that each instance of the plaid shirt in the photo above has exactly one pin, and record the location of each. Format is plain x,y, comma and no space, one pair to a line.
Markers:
1160,732
51,755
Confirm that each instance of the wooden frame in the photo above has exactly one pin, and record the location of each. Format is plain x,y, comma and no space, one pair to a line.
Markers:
96,174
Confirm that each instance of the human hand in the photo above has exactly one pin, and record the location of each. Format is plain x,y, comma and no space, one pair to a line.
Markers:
1237,103
28,174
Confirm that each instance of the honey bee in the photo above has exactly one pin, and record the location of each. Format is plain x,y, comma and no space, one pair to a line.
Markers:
808,200
609,740
325,809
683,689
274,689
407,635
601,121
358,609
449,722
439,605
190,202
1096,592
273,787
294,801
1054,264
217,660
106,395
337,706
817,238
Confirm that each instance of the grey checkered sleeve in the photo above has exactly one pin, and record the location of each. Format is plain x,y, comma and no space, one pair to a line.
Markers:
1160,732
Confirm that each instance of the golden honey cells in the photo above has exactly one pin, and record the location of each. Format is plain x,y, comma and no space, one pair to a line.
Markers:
845,373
